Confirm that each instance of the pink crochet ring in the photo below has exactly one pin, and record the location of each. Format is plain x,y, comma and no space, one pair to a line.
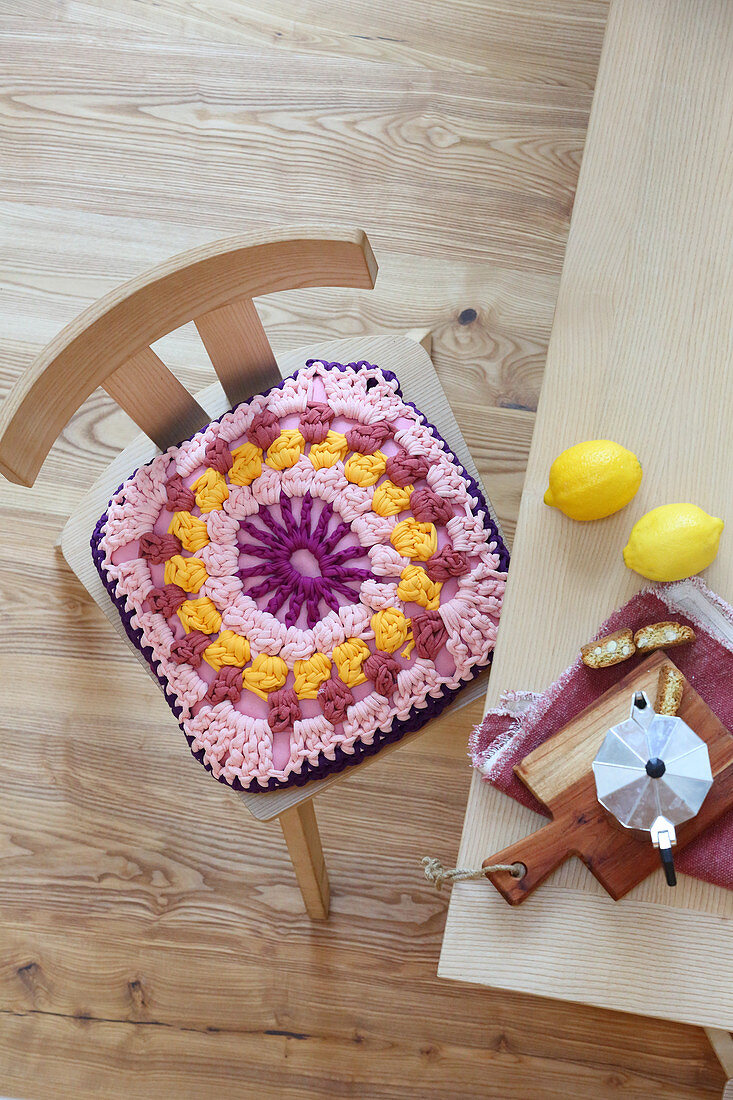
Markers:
310,577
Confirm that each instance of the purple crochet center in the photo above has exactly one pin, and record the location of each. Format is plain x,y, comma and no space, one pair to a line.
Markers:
418,716
275,545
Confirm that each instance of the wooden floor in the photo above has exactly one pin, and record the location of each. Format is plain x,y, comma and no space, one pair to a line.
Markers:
152,939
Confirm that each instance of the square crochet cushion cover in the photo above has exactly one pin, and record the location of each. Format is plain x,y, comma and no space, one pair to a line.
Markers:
310,577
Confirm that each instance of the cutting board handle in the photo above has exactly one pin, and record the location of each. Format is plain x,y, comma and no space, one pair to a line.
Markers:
540,852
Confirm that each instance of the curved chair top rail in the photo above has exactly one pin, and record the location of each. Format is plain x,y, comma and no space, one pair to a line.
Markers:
109,343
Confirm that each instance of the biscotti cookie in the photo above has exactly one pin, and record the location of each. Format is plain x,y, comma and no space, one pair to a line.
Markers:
662,636
669,691
608,651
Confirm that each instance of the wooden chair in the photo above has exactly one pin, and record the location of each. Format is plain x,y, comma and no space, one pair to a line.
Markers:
109,345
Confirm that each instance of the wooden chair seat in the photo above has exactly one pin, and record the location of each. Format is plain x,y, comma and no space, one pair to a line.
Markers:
109,345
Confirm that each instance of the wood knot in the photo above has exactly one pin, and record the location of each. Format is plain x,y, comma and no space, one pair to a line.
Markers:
136,990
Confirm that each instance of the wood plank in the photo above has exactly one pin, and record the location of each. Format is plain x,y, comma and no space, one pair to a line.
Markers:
78,1056
645,292
514,148
453,150
553,43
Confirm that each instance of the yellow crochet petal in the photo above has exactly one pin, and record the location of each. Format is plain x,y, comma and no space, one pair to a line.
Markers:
286,450
310,674
228,649
247,465
190,530
188,573
200,615
415,540
389,499
327,453
211,490
391,629
265,674
348,658
416,587
365,469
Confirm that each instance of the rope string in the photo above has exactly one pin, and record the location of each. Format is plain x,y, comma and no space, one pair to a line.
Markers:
436,873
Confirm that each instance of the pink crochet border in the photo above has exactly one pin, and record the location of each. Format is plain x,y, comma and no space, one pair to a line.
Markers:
364,738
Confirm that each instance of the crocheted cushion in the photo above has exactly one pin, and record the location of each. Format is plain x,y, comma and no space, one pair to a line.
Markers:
311,576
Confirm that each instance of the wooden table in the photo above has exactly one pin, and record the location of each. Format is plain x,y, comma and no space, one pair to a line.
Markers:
640,352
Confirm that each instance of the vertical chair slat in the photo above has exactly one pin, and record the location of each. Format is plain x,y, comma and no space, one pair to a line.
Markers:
236,343
155,399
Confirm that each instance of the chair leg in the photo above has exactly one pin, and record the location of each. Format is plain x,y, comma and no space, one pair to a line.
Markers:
722,1043
300,829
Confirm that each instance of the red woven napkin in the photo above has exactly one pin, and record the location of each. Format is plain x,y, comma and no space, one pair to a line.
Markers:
525,719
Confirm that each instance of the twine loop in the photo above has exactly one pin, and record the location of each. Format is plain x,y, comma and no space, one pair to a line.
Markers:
436,873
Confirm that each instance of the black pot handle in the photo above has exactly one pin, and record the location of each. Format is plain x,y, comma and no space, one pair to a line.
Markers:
668,864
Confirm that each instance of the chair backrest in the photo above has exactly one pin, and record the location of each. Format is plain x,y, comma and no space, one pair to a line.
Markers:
109,343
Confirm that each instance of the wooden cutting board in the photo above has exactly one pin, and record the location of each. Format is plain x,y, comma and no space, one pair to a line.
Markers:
559,774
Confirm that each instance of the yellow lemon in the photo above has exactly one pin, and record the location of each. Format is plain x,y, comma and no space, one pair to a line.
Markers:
673,542
594,479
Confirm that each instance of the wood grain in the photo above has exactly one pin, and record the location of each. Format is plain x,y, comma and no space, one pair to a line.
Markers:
476,173
639,352
140,954
551,43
